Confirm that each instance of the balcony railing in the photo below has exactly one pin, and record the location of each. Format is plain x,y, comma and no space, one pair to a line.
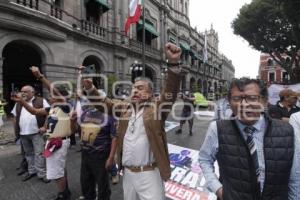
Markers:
30,3
150,51
68,20
93,28
56,12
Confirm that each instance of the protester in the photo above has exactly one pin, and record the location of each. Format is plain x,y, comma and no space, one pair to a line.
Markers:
187,112
222,109
27,127
57,130
142,145
258,157
98,138
295,122
285,106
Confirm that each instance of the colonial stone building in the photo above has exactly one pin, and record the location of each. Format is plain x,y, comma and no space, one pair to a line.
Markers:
60,35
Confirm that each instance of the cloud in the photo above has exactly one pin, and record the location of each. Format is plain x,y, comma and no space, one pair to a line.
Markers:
221,14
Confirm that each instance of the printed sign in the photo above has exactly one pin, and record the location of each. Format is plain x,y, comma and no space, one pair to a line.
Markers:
187,181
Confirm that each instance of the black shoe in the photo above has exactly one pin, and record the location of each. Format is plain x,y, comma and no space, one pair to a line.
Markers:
179,131
191,133
28,176
21,172
64,195
45,180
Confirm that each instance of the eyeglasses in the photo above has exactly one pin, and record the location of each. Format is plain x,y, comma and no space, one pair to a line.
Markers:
248,98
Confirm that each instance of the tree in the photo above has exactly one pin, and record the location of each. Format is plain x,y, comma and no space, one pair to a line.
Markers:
291,9
264,24
111,78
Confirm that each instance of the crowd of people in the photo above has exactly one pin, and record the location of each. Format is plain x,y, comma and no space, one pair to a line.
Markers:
45,131
257,146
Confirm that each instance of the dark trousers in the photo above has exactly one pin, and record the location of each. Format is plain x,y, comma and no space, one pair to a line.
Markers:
23,165
93,172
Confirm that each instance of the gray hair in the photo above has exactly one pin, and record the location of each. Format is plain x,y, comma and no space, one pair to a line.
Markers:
150,83
30,87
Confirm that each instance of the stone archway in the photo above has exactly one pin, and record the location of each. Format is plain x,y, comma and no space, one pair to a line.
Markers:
183,82
18,56
92,60
193,86
209,86
199,83
205,88
215,87
137,71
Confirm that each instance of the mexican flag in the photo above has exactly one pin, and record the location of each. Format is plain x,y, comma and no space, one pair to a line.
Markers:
135,11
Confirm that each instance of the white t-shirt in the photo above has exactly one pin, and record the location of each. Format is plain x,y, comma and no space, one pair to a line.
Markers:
295,122
28,124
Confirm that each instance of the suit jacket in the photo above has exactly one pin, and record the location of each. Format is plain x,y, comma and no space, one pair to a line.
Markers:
154,123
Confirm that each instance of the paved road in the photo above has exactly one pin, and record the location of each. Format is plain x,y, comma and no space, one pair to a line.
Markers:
12,188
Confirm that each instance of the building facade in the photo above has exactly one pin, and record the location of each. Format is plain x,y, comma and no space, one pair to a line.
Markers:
60,35
271,72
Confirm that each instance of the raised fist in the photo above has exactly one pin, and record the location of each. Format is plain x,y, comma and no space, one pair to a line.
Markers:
172,52
35,71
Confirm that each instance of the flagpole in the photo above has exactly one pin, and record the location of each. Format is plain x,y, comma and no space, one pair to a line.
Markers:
144,41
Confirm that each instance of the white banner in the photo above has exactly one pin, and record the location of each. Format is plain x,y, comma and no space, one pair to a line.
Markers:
274,90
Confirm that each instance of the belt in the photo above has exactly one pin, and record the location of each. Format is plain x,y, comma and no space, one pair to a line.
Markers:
149,167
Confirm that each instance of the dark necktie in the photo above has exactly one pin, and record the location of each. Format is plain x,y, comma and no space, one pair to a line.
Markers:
249,130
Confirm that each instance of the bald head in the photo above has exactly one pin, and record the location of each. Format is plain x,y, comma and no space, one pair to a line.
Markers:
27,92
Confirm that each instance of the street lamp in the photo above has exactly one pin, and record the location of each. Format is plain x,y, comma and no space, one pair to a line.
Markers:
164,71
136,68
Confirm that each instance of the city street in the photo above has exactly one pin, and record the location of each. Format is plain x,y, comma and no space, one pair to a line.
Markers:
12,188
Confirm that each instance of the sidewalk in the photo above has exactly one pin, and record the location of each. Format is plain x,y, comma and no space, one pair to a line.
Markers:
7,132
12,188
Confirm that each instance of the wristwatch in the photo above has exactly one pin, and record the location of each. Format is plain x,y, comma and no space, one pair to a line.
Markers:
173,64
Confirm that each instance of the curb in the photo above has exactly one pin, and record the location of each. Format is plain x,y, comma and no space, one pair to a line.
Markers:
7,141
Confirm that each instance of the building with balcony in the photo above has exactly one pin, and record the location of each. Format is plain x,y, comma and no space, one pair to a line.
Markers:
60,35
271,72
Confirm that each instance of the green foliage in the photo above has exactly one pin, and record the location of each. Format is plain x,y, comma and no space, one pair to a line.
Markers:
267,28
291,9
111,80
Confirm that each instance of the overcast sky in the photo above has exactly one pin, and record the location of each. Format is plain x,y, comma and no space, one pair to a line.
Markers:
221,13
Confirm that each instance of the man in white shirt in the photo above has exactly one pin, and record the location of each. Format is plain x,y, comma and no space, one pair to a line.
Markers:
142,143
27,126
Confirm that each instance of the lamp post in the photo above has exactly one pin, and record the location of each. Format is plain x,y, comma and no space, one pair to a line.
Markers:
164,71
136,69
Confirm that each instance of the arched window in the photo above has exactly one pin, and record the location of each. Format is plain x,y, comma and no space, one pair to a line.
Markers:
182,6
270,62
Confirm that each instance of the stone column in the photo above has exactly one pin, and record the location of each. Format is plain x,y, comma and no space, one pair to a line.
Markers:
1,72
